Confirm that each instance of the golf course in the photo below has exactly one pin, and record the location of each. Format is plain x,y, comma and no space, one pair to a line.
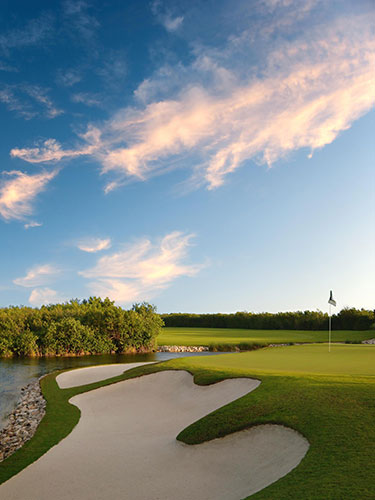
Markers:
327,397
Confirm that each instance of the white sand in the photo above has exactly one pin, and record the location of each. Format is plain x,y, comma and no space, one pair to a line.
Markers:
90,374
124,447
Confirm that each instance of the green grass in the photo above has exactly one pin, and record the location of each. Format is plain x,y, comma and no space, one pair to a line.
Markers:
235,337
328,397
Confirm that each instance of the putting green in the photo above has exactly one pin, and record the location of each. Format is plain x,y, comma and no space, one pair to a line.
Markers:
343,360
225,336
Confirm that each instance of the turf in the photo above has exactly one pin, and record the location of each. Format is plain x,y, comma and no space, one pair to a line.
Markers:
235,337
328,397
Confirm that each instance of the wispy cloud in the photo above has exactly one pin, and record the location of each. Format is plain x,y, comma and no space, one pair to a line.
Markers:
45,296
29,101
222,117
141,269
14,103
87,99
50,150
32,224
8,68
165,17
18,191
113,69
40,95
172,23
93,245
79,19
68,77
32,33
37,276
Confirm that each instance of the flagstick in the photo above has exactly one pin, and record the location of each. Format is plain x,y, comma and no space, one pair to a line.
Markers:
329,330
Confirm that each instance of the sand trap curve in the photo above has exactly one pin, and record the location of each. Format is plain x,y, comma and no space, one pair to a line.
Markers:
90,374
124,447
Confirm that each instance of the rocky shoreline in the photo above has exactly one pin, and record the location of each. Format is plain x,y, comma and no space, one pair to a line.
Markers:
182,348
23,420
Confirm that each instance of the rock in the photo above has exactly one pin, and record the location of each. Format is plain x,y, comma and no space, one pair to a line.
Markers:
182,348
23,421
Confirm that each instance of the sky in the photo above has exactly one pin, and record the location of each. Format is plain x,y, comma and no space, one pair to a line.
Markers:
203,156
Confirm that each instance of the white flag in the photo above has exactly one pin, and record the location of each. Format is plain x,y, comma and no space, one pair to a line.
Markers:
331,300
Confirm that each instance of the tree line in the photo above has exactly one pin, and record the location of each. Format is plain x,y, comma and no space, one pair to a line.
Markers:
92,326
346,319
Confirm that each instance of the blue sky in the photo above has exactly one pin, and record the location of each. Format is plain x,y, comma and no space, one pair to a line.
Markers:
203,156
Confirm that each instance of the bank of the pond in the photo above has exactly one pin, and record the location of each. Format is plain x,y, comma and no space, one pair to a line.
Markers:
23,420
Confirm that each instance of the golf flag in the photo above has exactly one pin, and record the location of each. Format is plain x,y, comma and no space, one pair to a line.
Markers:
331,299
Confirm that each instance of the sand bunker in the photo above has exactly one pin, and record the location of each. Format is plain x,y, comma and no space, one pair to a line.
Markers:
90,374
124,447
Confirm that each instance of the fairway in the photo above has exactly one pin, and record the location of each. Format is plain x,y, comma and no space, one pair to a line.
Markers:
231,336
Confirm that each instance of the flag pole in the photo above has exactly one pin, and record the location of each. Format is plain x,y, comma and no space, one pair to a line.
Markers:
331,301
329,329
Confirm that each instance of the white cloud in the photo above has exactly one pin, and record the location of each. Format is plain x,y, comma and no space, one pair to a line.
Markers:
44,296
32,224
38,275
141,269
18,192
308,91
93,245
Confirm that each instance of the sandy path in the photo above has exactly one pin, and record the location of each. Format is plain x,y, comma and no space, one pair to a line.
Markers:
124,447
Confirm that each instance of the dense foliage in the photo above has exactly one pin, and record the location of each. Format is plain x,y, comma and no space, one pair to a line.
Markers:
92,326
346,319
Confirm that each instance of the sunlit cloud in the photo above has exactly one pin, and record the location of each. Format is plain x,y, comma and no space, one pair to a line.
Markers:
93,245
51,151
45,296
18,191
38,275
142,269
309,91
